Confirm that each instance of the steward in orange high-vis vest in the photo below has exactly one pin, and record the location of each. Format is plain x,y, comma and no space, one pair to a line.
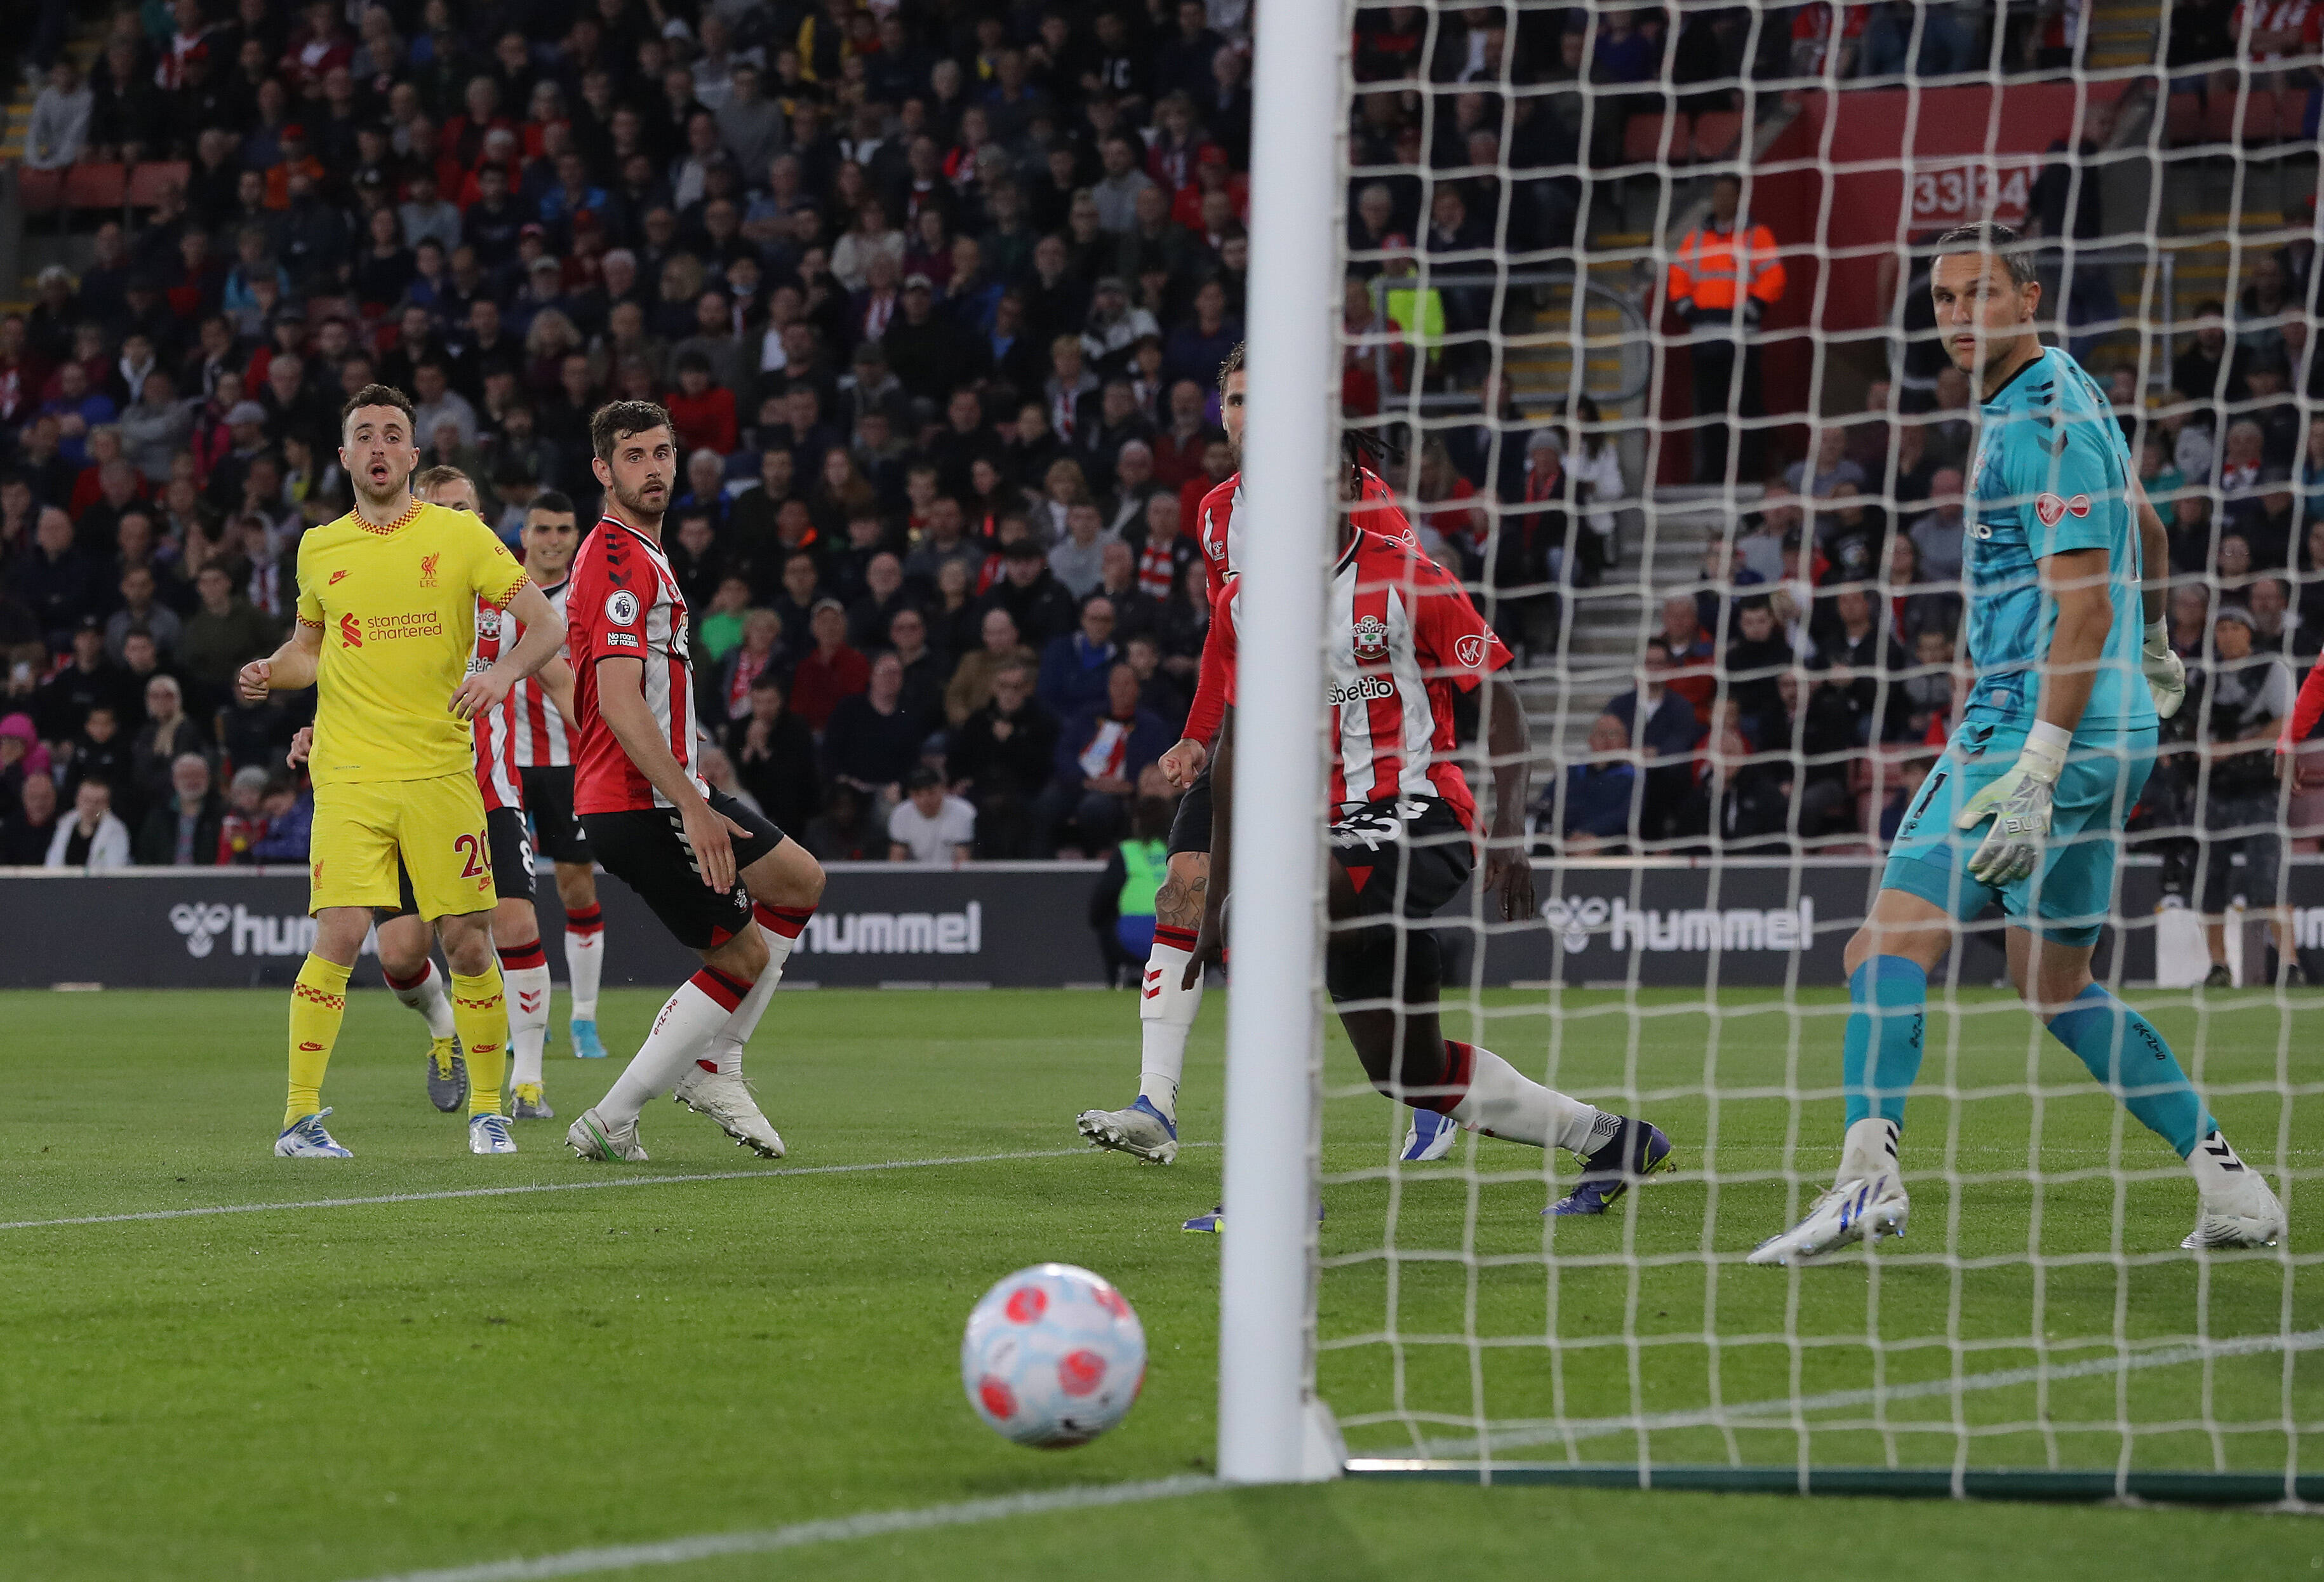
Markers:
1726,273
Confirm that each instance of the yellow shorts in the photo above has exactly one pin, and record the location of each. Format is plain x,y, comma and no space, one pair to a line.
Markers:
436,826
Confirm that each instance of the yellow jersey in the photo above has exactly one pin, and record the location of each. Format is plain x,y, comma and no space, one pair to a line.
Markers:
397,609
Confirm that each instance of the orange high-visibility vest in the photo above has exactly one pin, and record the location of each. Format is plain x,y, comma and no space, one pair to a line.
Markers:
1716,269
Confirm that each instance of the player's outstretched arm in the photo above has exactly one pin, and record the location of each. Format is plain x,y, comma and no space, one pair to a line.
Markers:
1211,937
1508,869
621,701
543,640
288,669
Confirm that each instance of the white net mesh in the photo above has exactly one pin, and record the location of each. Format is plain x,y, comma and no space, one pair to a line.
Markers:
1642,402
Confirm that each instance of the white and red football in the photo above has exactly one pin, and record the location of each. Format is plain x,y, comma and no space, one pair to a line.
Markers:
1053,1356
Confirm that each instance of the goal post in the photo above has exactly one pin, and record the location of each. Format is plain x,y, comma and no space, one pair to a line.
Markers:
1270,1427
2039,1332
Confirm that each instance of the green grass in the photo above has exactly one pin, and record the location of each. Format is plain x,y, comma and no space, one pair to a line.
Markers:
349,1391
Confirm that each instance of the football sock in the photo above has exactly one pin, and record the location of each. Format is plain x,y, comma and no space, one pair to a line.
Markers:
683,1030
1880,1054
480,1015
1490,1095
525,970
1165,1015
425,995
2215,1165
319,1004
780,927
585,958
2124,1051
1870,1150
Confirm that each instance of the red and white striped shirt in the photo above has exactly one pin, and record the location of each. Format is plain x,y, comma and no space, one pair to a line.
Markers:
539,739
623,602
1402,637
1222,544
497,632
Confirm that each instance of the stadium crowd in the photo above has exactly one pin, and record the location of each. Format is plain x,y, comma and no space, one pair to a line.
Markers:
937,295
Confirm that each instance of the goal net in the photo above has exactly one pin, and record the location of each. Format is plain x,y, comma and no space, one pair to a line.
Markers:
1639,299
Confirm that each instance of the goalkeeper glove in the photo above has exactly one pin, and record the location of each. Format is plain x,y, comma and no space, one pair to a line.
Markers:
2166,676
2019,804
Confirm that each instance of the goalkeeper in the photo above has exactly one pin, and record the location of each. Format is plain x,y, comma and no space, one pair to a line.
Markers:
2027,805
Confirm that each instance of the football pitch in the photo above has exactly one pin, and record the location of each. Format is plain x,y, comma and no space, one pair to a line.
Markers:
215,1364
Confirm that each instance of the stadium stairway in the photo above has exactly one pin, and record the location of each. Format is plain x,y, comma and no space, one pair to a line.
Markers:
1663,549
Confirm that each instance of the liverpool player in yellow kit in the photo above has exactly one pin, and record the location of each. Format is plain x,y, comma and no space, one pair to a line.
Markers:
386,621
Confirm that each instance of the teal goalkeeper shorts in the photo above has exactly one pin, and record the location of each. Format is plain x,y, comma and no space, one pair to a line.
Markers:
2067,897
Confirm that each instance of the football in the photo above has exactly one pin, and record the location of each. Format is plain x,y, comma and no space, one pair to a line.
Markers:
1053,1356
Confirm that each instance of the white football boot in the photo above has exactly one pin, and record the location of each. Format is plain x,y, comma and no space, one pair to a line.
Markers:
591,1138
490,1134
305,1138
2243,1213
1141,1131
728,1101
1852,1211
1431,1136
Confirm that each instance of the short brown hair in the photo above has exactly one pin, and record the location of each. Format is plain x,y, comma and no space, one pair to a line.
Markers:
424,482
380,395
1230,367
616,421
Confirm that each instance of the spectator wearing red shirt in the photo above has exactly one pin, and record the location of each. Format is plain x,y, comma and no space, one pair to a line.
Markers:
703,412
832,671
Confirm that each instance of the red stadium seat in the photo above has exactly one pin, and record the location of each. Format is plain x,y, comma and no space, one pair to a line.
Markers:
1716,133
2257,123
39,191
150,179
1642,141
97,185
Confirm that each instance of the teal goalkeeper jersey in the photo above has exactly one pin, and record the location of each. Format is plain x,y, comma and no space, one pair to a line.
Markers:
2051,473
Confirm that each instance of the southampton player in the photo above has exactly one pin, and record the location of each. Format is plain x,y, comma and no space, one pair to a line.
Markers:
1167,1002
723,880
387,599
2050,755
1402,638
543,745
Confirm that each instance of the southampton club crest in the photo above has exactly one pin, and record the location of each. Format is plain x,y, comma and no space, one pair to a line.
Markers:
1371,638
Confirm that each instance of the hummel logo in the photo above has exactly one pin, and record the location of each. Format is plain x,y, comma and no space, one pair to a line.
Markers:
2217,1147
528,1003
1153,982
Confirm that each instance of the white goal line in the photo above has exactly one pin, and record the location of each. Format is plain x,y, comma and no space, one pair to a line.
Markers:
777,1173
678,1551
1780,1408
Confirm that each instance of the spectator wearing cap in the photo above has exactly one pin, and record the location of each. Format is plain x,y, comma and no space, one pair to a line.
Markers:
831,669
1114,327
1038,604
930,351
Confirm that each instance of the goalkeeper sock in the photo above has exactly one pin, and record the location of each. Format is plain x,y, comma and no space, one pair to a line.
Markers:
319,1004
1165,1015
2124,1051
425,995
1494,1097
780,927
1880,1054
524,968
585,958
683,1030
480,1014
